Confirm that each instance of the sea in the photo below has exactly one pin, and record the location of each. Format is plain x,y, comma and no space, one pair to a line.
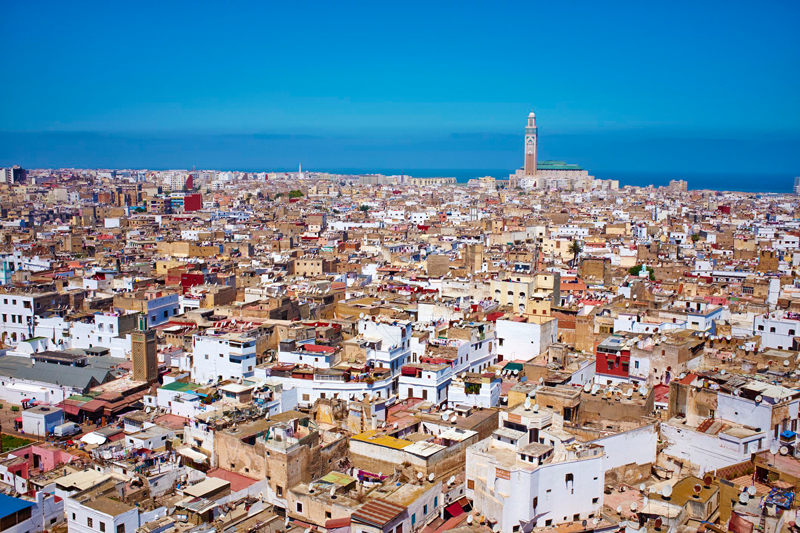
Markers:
752,183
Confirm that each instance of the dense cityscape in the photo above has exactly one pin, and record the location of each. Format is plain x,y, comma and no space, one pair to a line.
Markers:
213,350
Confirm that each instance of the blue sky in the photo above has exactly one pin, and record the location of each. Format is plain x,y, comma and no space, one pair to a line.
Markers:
376,85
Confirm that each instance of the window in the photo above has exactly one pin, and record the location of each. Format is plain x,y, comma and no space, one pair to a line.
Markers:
772,330
471,484
594,500
425,509
399,528
299,507
89,522
435,502
413,519
279,491
548,523
121,528
576,517
327,515
535,502
102,527
569,477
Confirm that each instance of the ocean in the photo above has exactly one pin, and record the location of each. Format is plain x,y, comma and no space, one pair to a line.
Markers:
766,183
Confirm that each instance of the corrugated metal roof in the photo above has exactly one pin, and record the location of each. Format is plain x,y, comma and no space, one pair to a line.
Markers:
9,505
378,512
380,439
70,376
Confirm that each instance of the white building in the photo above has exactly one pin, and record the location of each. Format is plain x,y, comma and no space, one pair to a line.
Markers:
525,340
225,356
427,381
777,330
523,484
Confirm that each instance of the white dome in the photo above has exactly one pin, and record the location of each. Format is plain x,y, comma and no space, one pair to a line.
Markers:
532,114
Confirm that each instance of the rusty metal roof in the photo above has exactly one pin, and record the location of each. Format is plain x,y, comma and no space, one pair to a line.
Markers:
378,512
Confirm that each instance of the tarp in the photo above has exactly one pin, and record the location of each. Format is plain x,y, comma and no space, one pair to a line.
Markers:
197,457
93,438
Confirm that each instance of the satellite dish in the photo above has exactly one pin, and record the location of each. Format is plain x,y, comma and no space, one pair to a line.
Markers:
698,488
634,506
496,528
587,387
527,404
658,523
773,448
333,491
759,399
666,491
743,498
642,487
451,480
431,477
536,408
445,416
707,480
453,418
286,522
619,509
469,520
751,490
595,521
784,450
420,475
786,363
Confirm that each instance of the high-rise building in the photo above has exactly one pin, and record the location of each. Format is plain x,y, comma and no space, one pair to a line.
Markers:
797,185
531,138
12,175
144,356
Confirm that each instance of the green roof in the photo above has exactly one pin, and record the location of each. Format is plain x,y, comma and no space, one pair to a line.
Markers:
181,387
556,165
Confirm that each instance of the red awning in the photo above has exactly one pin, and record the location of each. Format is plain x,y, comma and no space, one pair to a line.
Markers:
93,406
454,509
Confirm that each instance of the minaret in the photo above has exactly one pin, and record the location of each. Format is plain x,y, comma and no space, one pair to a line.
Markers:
531,138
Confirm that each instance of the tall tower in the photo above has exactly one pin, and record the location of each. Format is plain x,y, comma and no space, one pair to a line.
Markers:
531,138
144,356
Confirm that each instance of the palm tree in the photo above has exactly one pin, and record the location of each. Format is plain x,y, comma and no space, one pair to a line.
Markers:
575,249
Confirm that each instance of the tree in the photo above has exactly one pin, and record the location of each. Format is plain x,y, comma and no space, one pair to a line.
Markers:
295,193
695,237
364,208
634,271
575,249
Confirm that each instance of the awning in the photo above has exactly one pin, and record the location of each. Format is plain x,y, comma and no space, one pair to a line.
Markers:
93,406
454,509
196,457
786,434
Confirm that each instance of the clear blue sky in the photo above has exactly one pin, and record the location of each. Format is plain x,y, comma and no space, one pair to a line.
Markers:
428,85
